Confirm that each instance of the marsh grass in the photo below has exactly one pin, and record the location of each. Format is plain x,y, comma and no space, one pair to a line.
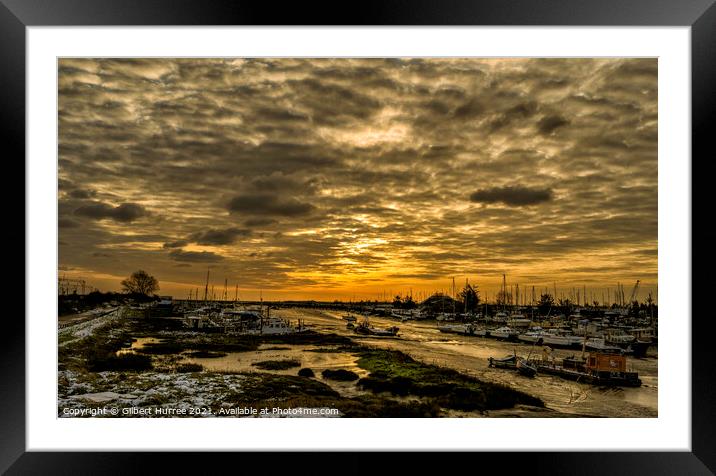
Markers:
306,372
340,375
161,348
189,368
272,387
131,362
277,364
399,374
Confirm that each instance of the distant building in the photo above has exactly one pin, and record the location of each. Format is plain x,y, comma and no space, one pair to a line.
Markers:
164,307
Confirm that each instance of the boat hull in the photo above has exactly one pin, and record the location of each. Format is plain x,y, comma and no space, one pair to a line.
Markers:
511,336
614,379
369,331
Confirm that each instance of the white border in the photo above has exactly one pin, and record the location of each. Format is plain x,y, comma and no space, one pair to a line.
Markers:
670,431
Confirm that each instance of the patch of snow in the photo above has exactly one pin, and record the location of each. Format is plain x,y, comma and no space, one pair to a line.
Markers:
101,397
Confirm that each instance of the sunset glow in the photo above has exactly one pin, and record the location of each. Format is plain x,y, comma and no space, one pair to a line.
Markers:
359,178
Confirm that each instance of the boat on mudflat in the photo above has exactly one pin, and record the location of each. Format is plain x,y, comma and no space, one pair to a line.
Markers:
463,329
504,332
513,362
598,369
366,329
628,341
551,337
600,345
508,362
526,367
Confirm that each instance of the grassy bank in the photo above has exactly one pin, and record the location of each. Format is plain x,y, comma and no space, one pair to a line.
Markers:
399,374
281,391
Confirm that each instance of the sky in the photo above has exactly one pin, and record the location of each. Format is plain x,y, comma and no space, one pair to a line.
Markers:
298,178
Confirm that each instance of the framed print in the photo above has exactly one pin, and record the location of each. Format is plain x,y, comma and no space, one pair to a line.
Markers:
465,228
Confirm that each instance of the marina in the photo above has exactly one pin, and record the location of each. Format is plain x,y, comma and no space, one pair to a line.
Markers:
545,362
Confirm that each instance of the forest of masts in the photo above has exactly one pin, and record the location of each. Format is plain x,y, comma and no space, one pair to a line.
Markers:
507,295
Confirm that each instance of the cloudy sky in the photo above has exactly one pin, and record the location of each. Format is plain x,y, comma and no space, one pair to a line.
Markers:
335,178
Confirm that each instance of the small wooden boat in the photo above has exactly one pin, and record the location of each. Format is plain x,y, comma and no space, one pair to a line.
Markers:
366,329
512,362
509,362
526,368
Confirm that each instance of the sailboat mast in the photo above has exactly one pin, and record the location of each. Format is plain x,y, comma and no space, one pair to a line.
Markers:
504,292
467,292
555,290
584,294
206,287
453,296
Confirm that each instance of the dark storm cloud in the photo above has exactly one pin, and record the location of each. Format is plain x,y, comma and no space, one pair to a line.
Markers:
514,196
64,184
357,167
278,114
125,213
469,110
549,124
78,193
266,204
195,256
520,111
219,236
67,223
332,104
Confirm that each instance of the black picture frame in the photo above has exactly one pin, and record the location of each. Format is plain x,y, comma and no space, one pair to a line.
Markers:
700,15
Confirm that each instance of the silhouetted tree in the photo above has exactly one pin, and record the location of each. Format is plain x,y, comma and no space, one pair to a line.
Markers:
545,303
140,282
469,297
437,303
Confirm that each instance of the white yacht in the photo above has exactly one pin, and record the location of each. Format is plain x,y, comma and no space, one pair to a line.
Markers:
464,329
503,332
532,335
551,337
518,321
276,325
500,316
598,343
